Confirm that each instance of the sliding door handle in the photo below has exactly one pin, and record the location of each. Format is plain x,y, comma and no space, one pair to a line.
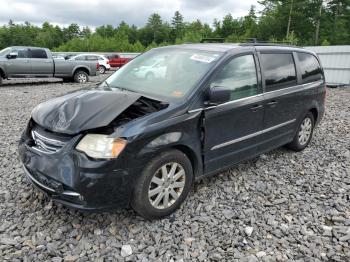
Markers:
272,103
256,108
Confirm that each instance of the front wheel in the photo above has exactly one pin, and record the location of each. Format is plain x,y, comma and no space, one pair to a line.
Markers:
163,185
304,133
81,77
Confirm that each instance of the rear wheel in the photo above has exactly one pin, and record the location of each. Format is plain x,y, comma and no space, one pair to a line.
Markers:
304,134
101,69
163,185
81,77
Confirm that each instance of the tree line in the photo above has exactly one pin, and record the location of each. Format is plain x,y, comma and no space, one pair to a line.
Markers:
301,22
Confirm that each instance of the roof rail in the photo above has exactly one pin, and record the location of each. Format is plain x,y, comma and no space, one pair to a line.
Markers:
213,40
255,42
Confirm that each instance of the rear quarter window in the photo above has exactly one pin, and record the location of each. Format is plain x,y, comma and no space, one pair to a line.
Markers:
310,68
279,70
92,58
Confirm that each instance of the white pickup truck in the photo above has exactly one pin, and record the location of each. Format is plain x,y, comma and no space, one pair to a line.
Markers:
36,62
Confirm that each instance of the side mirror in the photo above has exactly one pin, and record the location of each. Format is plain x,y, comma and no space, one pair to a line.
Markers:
218,95
12,55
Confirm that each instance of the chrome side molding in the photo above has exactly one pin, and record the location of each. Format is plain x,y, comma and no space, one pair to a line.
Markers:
252,135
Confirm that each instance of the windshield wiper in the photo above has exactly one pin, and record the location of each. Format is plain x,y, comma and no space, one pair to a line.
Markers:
124,89
106,85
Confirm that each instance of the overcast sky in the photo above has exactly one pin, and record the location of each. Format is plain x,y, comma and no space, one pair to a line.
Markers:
98,12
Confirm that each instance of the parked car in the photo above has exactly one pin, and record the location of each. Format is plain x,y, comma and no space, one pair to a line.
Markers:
143,142
30,62
66,57
117,61
151,70
101,59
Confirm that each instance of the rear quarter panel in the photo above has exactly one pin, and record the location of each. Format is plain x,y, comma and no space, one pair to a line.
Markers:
67,68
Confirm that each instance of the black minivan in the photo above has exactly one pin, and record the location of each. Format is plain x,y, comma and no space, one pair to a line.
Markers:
171,116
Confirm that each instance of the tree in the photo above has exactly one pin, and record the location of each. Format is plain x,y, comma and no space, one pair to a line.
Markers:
72,31
177,25
154,24
250,24
105,31
86,32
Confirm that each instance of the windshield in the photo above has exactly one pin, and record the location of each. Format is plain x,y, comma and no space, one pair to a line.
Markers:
5,51
167,72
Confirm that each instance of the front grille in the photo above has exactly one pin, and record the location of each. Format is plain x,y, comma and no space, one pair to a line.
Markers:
45,144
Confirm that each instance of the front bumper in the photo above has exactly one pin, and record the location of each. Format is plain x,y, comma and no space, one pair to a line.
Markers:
75,180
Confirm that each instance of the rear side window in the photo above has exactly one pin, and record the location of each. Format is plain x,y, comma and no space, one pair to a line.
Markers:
279,71
38,53
310,68
80,58
91,58
239,76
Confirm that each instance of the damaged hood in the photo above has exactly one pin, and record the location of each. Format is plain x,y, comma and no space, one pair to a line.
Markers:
82,110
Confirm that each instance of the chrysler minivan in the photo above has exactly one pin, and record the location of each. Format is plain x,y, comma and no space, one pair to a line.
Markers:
142,142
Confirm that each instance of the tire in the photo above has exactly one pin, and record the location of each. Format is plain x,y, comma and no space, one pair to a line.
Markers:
0,80
150,76
304,133
81,77
151,181
102,69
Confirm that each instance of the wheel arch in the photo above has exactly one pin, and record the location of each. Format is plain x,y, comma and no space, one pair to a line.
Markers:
314,112
2,73
81,68
190,153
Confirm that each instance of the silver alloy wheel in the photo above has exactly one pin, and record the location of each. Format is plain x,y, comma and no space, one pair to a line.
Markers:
82,78
305,131
167,185
101,69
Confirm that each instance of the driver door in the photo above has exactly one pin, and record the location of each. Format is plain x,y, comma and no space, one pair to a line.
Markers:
20,65
231,129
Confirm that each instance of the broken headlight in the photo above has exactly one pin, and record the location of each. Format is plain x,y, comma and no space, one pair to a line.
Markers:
101,146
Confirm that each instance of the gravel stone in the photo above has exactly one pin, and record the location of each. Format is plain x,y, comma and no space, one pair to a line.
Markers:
296,204
260,254
249,231
126,251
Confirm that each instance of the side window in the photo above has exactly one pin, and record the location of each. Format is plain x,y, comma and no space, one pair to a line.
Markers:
239,75
22,52
310,68
91,58
38,53
279,71
80,58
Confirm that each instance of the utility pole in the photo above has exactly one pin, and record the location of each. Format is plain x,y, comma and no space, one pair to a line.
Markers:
289,18
318,23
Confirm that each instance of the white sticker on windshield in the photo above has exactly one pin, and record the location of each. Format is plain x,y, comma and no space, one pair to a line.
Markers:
202,58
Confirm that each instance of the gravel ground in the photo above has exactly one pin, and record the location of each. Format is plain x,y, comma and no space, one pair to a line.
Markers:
281,206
